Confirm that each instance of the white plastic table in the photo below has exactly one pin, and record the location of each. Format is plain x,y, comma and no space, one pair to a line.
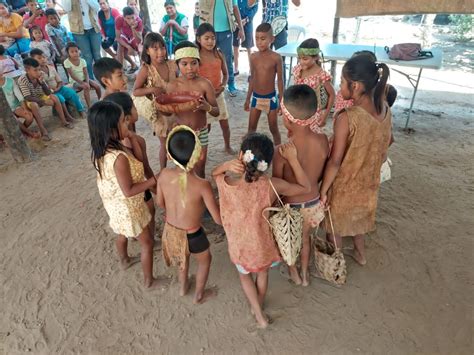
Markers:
343,52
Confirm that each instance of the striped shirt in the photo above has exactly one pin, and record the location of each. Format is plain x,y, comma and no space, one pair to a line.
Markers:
29,88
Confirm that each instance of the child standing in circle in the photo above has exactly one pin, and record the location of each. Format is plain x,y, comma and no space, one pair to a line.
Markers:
121,183
242,200
152,79
362,135
213,68
309,71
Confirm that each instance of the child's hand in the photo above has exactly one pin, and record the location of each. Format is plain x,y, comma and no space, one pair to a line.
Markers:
321,122
203,105
247,105
288,151
236,166
323,198
158,91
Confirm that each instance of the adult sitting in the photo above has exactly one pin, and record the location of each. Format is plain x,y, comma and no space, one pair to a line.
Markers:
275,12
128,31
35,17
248,9
84,25
107,18
13,36
174,26
224,16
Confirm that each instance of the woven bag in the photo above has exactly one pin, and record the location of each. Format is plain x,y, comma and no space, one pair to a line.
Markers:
322,97
287,227
329,259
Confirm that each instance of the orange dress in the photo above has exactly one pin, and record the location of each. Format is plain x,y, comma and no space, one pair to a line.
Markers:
250,240
353,194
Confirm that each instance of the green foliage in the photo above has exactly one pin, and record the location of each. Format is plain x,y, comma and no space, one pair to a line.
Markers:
462,26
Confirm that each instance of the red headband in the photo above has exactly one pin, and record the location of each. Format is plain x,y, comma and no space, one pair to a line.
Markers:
312,121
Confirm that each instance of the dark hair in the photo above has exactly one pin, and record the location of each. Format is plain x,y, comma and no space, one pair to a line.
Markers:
50,12
2,50
181,146
312,43
369,54
28,1
391,95
170,3
70,45
151,39
36,28
122,99
262,148
185,44
202,30
127,11
104,68
264,28
103,120
30,63
366,71
36,51
302,98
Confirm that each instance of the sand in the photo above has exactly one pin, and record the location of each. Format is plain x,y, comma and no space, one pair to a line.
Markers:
64,292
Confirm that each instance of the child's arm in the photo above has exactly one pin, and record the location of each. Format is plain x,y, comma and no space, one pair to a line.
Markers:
211,203
341,132
209,103
278,165
72,75
125,181
250,89
331,98
86,75
225,74
236,166
146,164
139,88
159,198
279,72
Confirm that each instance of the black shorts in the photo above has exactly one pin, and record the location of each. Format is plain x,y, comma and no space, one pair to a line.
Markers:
198,242
148,195
109,42
248,42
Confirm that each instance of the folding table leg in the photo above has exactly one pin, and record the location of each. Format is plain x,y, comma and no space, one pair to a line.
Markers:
413,97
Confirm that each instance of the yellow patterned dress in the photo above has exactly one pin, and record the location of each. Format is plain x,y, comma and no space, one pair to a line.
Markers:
128,215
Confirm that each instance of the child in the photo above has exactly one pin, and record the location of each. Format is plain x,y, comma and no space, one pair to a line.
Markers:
299,108
128,28
121,184
361,140
184,196
8,66
187,57
40,43
251,245
55,83
261,96
213,67
37,94
57,33
18,105
109,73
309,71
35,17
152,79
136,144
78,75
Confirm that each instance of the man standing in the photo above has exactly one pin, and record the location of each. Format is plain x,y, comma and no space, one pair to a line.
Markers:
275,12
224,16
174,26
248,9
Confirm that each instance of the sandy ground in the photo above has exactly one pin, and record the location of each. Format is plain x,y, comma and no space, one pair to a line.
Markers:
63,291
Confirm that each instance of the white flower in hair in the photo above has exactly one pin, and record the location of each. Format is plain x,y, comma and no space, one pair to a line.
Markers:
262,166
248,156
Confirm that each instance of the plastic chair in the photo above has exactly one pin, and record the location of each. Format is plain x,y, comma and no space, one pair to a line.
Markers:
295,35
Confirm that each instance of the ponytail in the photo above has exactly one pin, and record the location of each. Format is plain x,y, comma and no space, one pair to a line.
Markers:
380,87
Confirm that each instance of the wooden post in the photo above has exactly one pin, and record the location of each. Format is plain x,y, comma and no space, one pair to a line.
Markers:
146,13
335,39
10,130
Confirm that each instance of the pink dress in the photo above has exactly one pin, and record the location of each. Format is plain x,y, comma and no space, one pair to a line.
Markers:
314,81
340,103
250,240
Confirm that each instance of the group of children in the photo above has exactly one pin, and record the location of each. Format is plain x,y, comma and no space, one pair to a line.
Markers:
310,173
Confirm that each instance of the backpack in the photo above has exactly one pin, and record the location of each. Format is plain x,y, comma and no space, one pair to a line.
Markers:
407,51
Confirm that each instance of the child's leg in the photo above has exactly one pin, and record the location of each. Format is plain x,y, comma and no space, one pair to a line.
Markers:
261,282
59,109
120,53
151,207
226,134
162,153
130,60
23,113
146,256
125,260
253,119
200,166
96,87
359,249
184,278
87,94
294,274
110,52
273,124
35,110
251,293
305,254
71,95
204,264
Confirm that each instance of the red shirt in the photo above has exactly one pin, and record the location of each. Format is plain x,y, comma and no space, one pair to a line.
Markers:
40,21
121,25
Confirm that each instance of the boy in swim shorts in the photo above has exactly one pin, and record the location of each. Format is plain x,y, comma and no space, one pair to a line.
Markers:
265,65
184,196
299,109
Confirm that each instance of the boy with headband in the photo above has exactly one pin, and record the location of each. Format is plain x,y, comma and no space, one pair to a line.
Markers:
184,196
187,57
299,109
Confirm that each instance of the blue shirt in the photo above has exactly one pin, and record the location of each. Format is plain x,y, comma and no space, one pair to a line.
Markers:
221,21
272,10
246,11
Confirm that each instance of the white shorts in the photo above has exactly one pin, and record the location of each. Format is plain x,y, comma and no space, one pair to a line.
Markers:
223,112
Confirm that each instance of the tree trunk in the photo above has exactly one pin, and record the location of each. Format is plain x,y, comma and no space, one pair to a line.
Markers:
10,130
335,39
146,13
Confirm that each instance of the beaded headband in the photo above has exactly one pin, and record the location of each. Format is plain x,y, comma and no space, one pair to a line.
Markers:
310,52
186,52
312,121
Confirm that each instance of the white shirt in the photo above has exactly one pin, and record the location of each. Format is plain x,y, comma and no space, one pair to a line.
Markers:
85,5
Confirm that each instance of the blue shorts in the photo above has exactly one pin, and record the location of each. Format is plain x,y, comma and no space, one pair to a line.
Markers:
242,270
264,103
248,31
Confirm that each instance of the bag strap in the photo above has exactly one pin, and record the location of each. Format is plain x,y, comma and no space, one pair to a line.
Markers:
276,193
332,228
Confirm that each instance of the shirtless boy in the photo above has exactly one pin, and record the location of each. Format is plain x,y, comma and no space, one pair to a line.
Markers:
184,196
299,108
261,96
187,57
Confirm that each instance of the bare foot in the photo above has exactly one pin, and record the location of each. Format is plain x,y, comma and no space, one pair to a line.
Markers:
205,296
159,283
357,257
126,263
295,276
305,281
262,322
70,118
229,151
83,115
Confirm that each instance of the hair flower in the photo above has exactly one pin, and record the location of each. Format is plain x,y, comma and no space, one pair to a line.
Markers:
262,165
248,156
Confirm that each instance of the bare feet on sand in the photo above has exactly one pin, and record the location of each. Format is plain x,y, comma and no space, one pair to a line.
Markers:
184,289
295,276
159,283
126,263
229,151
208,293
305,277
354,253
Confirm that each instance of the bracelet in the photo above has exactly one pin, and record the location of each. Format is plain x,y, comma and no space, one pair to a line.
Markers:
210,109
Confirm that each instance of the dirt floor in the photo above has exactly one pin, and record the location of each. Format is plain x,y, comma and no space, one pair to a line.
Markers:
63,291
